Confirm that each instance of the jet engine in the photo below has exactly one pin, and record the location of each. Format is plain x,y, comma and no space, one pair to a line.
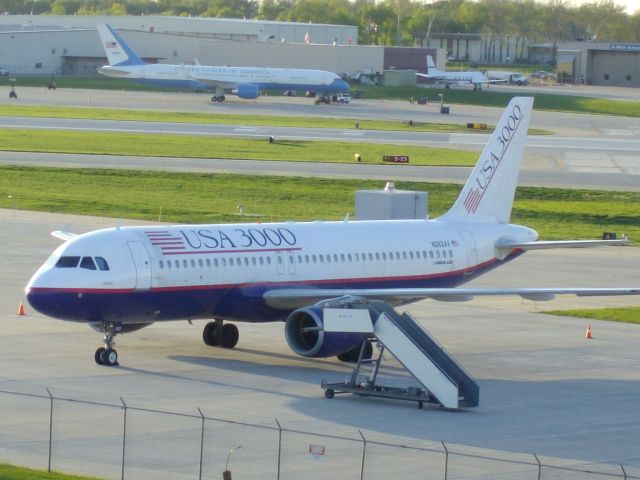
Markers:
305,335
248,92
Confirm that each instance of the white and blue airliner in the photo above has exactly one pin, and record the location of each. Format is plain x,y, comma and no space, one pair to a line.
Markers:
246,82
118,280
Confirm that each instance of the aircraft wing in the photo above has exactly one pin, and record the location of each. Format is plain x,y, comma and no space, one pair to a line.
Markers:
208,81
294,298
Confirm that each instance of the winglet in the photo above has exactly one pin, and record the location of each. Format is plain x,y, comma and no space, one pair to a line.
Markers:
118,52
488,194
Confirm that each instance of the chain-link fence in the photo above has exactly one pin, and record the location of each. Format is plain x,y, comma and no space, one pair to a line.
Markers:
119,441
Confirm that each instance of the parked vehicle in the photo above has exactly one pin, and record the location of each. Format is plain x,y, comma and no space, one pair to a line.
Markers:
4,72
514,78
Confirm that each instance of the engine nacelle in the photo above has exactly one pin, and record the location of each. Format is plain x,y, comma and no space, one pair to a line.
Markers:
305,335
249,92
121,328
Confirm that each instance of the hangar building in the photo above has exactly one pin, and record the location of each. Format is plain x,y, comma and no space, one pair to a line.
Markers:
599,63
47,44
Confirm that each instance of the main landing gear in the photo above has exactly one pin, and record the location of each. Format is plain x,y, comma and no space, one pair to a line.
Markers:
217,98
217,334
107,355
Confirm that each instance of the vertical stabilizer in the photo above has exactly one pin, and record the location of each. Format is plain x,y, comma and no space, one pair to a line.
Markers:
118,52
431,68
488,194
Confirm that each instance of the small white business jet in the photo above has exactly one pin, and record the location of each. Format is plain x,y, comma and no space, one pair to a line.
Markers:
246,82
475,78
122,279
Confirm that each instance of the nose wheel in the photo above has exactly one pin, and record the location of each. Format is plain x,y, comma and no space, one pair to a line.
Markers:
108,355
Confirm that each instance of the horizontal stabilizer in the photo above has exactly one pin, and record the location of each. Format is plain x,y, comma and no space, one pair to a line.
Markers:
63,235
544,245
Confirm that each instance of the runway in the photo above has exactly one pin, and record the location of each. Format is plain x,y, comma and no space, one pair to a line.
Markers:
600,179
586,151
544,387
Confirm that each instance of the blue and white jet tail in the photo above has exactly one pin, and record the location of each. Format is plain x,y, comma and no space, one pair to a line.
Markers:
118,52
488,194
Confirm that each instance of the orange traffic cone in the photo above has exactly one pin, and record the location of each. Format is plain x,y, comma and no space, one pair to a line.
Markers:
588,333
21,309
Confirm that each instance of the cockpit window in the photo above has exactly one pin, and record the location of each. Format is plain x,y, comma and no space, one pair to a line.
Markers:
68,262
87,262
102,264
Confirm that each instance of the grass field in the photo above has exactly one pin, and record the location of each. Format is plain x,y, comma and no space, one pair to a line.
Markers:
9,472
623,315
212,198
193,146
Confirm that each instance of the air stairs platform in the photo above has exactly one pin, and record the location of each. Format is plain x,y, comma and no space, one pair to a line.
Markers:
442,380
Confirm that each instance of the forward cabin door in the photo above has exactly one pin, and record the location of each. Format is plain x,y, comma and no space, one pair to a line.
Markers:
142,263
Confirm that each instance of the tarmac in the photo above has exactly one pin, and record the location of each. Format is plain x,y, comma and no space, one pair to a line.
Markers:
544,388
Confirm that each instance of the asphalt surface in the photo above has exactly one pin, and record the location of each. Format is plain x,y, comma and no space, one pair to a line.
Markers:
544,388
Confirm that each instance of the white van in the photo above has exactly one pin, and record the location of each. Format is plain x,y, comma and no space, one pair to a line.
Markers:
343,98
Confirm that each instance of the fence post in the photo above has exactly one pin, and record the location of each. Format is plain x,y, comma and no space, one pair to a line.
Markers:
50,427
539,466
364,451
446,460
624,472
201,442
279,447
124,437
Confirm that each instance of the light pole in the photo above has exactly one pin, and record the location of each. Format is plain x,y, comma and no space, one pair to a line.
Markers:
226,475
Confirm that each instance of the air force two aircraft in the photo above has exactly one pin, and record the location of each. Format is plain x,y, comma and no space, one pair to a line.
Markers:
246,82
122,279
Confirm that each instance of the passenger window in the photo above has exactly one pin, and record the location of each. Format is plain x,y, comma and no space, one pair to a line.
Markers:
185,264
450,253
200,263
177,263
102,264
261,260
253,261
67,262
349,256
87,262
231,262
384,255
208,262
193,263
246,261
215,262
168,264
299,258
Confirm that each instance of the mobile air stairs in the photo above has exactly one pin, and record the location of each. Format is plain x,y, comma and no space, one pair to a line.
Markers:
443,381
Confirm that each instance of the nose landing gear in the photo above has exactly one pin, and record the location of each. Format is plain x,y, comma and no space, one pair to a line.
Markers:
107,355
